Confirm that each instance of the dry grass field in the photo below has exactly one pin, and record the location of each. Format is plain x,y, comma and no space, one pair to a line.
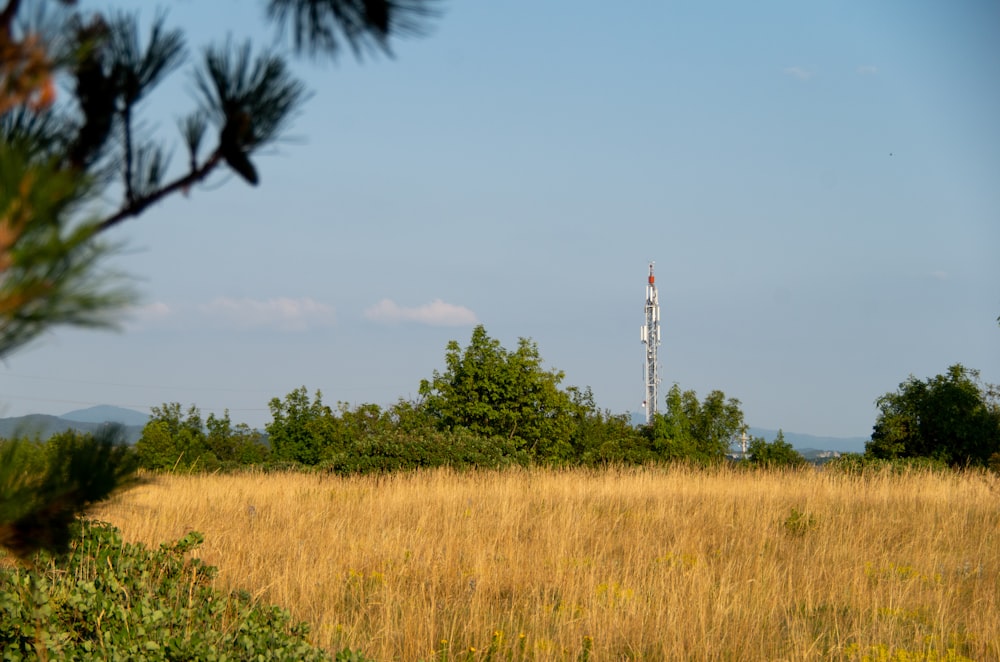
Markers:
637,564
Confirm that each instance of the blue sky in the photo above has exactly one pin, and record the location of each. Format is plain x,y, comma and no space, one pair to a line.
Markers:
817,183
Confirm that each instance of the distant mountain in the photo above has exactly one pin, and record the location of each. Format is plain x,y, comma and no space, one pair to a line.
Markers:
808,442
107,414
43,426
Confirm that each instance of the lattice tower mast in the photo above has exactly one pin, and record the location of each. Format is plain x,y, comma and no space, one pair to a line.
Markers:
651,339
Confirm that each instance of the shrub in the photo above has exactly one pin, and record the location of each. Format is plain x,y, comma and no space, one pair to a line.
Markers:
798,523
778,453
402,451
105,599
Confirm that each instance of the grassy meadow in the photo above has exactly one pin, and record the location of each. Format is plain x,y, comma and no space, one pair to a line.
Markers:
644,564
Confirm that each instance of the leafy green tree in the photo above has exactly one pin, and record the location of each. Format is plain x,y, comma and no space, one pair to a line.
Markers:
405,437
695,430
171,440
954,418
778,453
234,445
301,430
494,392
411,416
59,159
157,448
600,437
362,422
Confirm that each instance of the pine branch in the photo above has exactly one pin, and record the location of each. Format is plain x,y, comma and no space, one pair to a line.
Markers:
322,26
251,99
50,272
7,17
127,135
138,205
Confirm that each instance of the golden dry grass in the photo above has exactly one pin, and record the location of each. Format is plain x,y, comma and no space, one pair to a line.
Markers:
656,564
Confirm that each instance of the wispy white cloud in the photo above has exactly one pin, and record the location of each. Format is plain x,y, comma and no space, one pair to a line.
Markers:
867,69
435,313
283,313
939,275
149,314
799,72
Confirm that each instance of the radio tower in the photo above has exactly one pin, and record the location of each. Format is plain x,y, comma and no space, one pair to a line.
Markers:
651,339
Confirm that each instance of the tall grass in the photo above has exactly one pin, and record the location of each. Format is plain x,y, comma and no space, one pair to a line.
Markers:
658,564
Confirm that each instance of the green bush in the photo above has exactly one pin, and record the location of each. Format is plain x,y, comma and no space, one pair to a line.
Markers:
778,453
798,523
401,451
109,600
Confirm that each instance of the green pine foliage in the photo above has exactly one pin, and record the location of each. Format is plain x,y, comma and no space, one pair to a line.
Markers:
44,486
52,272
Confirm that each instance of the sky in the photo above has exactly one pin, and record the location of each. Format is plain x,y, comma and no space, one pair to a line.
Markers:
817,183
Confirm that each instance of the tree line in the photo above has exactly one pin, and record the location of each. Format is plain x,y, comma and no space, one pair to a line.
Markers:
492,407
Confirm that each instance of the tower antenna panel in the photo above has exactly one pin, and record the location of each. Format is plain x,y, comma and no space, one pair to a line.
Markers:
651,340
